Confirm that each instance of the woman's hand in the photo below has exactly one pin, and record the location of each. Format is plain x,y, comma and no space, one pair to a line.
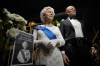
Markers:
49,45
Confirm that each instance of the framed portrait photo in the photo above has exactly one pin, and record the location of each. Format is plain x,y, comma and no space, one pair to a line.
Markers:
23,49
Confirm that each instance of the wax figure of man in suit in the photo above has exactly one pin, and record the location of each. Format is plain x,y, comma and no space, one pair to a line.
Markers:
76,50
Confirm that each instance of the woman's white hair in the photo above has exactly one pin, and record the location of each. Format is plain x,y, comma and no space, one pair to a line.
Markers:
44,10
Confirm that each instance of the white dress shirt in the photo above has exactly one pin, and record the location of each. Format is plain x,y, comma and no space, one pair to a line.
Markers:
77,26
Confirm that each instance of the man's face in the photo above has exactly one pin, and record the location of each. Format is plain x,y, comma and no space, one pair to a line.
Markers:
49,15
71,11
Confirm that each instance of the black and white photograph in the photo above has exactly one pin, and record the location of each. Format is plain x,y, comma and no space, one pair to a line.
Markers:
23,48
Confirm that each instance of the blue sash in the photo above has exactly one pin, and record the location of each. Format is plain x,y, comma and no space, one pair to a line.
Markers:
47,32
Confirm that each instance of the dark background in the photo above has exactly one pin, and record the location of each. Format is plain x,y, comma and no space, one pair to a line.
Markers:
88,10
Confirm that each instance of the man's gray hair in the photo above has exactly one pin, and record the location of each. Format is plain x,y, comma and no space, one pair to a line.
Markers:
43,11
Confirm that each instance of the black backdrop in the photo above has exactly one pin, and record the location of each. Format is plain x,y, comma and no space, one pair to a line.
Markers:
88,10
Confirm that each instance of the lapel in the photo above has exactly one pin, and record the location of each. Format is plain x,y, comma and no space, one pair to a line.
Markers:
69,23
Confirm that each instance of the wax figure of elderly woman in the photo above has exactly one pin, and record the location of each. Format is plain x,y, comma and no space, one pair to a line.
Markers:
48,38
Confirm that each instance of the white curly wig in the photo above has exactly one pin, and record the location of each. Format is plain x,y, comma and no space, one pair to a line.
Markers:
43,11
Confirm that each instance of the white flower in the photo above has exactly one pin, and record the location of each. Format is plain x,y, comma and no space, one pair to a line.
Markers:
13,16
6,11
13,32
10,22
0,20
16,17
23,28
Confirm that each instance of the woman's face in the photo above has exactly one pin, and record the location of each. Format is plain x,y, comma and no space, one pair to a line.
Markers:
49,15
25,45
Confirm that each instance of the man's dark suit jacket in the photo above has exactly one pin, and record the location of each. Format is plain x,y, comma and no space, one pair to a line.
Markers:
77,49
67,30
